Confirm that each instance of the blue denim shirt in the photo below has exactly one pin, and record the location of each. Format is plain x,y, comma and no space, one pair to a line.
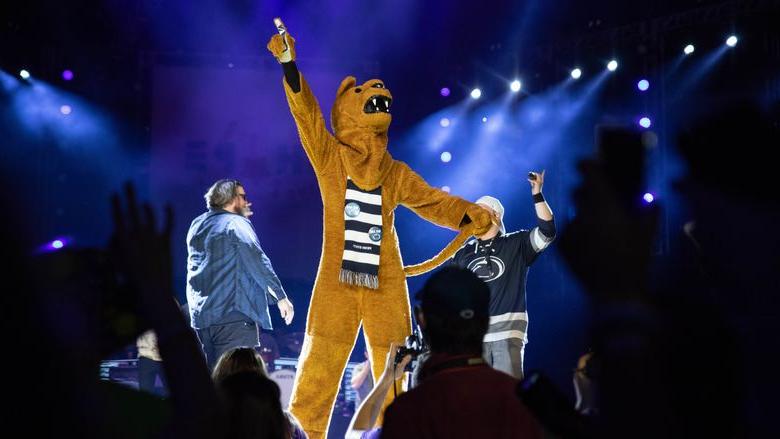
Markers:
228,272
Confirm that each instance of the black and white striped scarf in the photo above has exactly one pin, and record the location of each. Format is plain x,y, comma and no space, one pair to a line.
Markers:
362,236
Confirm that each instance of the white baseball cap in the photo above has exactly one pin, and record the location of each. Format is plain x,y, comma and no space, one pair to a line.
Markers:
496,205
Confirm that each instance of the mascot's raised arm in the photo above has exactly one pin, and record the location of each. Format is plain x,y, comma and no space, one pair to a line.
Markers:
361,277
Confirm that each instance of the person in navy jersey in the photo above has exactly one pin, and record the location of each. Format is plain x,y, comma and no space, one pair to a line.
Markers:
502,260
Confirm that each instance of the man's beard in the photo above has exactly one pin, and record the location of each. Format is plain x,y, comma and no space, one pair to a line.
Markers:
246,212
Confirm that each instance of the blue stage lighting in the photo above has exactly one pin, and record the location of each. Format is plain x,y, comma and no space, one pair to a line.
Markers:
643,84
444,91
648,197
516,85
444,122
446,189
732,41
612,65
58,244
689,49
576,73
476,93
645,122
446,156
66,109
24,74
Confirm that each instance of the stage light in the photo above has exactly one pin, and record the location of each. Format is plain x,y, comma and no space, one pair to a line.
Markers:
516,85
66,109
446,189
476,93
54,245
612,65
67,75
689,49
576,73
484,119
444,91
645,122
24,74
643,84
648,197
446,156
732,41
444,122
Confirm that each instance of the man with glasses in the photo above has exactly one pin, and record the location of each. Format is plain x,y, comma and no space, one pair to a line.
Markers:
230,280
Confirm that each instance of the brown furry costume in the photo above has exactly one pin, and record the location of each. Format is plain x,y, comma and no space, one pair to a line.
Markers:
336,311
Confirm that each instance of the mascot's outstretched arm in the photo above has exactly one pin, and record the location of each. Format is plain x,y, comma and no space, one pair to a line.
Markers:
312,130
442,209
474,228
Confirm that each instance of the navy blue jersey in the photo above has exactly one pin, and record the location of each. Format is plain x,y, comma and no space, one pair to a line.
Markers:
502,262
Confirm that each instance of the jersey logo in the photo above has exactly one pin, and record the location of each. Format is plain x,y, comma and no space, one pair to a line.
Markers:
487,273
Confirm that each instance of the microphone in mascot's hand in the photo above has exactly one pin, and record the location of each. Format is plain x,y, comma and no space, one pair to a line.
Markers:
280,26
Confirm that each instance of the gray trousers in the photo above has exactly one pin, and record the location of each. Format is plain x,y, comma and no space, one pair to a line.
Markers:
505,355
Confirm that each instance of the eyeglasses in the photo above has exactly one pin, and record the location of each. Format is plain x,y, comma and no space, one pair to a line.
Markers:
243,196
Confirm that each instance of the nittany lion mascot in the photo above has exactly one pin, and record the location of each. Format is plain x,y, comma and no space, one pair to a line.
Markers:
361,278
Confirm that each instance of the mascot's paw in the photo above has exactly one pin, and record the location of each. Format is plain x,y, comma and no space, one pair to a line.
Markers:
282,47
481,220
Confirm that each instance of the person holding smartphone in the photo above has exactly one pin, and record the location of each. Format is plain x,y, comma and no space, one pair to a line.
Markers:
502,260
